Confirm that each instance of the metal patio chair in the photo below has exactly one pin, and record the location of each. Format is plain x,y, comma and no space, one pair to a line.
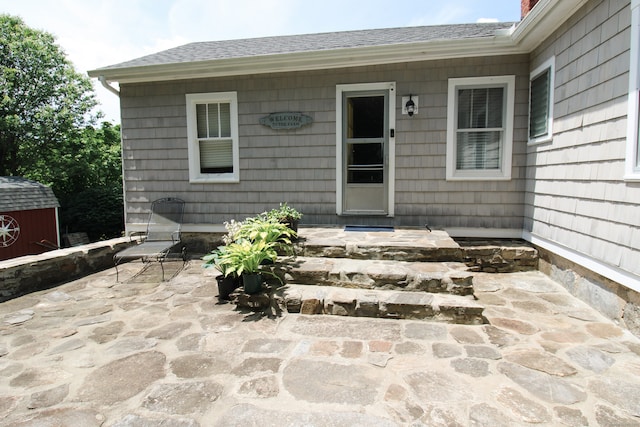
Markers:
162,236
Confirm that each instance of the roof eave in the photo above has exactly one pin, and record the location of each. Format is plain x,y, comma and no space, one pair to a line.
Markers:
542,21
318,60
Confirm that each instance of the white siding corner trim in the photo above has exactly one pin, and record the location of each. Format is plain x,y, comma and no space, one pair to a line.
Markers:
503,171
632,157
616,274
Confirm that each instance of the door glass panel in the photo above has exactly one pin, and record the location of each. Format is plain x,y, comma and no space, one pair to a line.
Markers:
365,163
365,117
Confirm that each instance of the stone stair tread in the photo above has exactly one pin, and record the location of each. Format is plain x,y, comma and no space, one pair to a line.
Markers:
438,277
363,265
381,303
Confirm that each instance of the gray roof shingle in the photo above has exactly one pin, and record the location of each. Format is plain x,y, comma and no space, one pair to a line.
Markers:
21,194
218,50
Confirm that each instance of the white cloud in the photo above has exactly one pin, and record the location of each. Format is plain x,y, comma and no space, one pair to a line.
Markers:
202,20
98,33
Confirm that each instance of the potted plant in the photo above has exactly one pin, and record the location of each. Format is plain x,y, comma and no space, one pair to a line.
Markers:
266,229
244,258
286,215
228,281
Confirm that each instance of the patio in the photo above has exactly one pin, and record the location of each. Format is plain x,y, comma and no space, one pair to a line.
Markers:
96,352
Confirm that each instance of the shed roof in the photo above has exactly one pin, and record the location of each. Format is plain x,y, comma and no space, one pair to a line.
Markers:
21,194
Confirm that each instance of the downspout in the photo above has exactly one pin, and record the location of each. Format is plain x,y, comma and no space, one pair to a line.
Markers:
107,86
116,92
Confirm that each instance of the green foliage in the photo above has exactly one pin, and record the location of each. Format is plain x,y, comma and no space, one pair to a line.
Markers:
47,131
262,228
96,211
284,213
245,256
44,103
216,259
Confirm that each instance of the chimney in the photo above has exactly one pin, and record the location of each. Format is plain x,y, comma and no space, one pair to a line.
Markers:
526,6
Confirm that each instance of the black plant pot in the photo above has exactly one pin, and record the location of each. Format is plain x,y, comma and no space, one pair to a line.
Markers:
226,285
293,225
252,283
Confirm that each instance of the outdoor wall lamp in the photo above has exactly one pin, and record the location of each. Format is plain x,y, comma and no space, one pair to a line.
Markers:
409,105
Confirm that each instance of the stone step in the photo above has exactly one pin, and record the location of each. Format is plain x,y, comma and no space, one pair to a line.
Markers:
418,245
434,277
381,304
400,245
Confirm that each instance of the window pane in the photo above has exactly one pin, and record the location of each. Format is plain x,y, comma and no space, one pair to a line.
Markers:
213,121
366,176
480,108
225,120
539,105
495,101
365,154
365,115
201,119
478,150
216,156
464,108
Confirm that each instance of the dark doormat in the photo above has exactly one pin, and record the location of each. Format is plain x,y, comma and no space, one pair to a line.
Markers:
367,228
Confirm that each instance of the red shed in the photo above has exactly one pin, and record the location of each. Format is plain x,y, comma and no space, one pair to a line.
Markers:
28,218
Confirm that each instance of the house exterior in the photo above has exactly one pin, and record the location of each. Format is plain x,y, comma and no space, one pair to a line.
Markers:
525,130
28,218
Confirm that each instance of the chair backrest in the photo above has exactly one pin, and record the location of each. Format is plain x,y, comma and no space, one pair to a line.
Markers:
165,219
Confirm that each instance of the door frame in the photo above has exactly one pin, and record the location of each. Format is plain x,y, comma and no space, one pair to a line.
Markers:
391,160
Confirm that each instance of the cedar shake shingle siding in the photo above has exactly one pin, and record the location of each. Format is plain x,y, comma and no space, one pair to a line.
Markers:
576,195
298,166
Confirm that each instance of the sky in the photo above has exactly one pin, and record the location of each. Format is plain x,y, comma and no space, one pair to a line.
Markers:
97,33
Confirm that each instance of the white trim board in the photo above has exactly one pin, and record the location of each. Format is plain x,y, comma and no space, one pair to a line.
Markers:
618,275
485,233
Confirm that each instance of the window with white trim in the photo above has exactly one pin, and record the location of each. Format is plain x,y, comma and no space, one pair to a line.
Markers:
632,161
212,126
480,128
541,84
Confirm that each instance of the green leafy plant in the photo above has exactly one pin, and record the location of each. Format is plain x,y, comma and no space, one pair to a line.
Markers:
216,259
284,213
246,257
268,230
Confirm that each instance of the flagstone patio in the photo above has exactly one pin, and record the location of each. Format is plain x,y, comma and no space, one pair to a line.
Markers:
95,352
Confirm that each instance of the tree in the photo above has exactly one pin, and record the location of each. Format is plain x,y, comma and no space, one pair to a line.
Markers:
47,131
45,105
89,183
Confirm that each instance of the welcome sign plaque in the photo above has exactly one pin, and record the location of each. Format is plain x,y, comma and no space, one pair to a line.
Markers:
286,120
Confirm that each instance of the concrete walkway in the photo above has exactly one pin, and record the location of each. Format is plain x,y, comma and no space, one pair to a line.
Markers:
95,352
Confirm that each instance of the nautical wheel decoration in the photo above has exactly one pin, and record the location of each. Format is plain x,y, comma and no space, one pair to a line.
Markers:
9,230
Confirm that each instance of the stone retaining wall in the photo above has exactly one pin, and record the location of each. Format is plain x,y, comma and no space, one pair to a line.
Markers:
19,276
613,300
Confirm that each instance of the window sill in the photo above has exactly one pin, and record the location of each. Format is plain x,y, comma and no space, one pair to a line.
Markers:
632,177
217,180
540,140
479,177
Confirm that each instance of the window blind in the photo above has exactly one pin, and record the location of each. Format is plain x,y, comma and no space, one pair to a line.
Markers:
214,129
539,105
216,156
480,128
